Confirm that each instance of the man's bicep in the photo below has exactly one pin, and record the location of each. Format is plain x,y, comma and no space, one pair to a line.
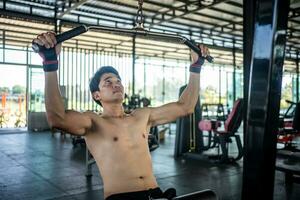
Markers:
166,113
76,123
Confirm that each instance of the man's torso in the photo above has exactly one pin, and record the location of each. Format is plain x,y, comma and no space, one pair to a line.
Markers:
120,148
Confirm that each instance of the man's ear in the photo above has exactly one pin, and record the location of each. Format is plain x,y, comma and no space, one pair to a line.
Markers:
96,95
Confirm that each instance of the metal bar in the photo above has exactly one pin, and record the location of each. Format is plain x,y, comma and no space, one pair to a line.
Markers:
248,32
59,26
77,85
227,89
239,15
185,11
55,18
86,79
76,24
235,15
91,72
172,9
26,16
29,87
102,58
110,58
215,47
159,55
3,46
86,67
166,37
297,77
94,71
72,80
234,73
133,65
35,17
185,71
236,4
27,84
87,75
174,26
129,7
68,77
163,82
61,70
145,82
106,60
73,7
87,40
115,57
295,12
153,12
83,68
220,84
124,4
212,8
83,13
264,97
48,5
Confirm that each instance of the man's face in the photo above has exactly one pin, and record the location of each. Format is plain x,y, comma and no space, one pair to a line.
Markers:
110,89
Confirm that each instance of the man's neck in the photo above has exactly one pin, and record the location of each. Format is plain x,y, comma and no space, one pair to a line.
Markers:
113,110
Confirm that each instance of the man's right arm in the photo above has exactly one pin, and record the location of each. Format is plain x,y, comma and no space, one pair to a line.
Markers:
71,121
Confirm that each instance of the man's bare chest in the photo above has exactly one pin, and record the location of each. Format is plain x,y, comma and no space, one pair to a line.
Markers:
119,134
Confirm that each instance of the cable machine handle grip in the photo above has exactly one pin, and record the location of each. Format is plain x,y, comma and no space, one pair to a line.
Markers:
62,37
194,47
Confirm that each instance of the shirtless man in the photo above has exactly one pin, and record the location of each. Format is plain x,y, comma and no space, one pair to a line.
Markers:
117,141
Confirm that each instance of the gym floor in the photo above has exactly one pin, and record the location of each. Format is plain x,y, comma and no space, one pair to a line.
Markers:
41,166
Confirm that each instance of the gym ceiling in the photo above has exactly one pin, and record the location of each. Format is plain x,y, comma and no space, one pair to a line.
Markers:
216,23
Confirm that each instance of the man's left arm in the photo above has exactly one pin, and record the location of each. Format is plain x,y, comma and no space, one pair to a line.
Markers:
188,99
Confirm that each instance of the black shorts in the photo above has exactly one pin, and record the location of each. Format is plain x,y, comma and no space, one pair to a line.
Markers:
155,193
